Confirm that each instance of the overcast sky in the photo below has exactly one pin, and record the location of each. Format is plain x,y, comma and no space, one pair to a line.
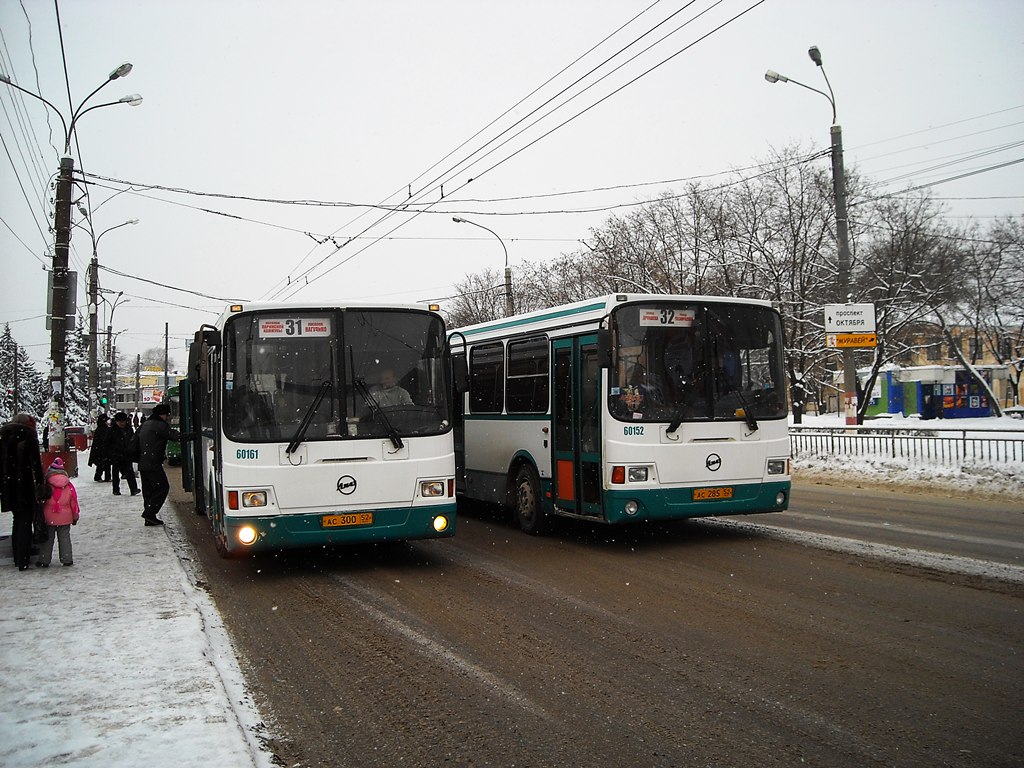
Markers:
366,102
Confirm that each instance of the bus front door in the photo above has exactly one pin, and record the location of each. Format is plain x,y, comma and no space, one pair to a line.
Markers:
576,422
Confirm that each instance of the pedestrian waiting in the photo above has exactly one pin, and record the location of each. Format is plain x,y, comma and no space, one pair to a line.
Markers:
118,439
21,482
98,452
60,512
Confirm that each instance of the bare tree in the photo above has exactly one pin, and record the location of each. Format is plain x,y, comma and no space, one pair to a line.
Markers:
154,358
772,236
784,234
990,269
907,272
480,296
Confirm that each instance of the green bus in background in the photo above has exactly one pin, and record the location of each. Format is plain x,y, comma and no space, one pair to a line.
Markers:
173,446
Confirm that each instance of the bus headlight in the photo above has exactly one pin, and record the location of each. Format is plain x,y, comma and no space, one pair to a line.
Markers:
440,523
778,466
631,507
638,474
254,498
247,534
431,488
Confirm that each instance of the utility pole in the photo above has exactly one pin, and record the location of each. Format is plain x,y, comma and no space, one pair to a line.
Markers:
138,383
167,332
62,240
843,266
94,289
58,316
843,243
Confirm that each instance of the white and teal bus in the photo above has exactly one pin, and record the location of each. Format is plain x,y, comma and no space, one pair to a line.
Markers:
625,407
320,425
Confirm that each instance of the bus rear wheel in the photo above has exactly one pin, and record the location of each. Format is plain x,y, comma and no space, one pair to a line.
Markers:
526,501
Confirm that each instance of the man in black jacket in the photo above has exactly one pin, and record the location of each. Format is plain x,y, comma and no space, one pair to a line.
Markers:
21,473
118,438
153,436
98,453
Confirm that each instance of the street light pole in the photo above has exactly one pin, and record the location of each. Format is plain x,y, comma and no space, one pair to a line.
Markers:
509,306
62,242
94,290
850,406
111,384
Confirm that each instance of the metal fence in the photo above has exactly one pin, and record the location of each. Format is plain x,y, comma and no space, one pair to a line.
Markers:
945,446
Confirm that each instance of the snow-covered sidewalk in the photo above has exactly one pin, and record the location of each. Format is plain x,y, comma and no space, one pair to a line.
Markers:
117,660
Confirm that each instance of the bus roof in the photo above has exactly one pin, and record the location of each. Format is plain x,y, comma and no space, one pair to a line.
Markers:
314,306
574,317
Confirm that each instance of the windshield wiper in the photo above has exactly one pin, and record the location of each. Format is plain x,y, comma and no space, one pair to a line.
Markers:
300,433
748,414
677,419
360,386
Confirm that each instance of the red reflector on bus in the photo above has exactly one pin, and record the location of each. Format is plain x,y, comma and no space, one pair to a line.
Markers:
232,499
618,475
451,487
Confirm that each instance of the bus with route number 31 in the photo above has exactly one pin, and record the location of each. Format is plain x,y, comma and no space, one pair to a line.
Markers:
623,408
318,425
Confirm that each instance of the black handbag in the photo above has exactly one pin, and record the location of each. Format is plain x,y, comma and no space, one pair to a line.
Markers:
40,531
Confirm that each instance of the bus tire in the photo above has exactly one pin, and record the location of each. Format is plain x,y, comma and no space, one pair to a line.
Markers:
222,550
526,501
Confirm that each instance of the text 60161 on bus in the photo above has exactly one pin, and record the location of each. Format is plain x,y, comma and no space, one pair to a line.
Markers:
625,407
320,425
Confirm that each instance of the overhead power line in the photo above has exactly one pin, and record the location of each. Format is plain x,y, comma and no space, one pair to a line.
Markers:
119,273
306,275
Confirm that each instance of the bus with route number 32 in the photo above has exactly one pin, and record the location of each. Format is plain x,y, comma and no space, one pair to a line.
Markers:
319,425
624,408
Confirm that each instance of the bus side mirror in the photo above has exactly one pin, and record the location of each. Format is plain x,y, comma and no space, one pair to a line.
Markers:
460,374
604,348
209,337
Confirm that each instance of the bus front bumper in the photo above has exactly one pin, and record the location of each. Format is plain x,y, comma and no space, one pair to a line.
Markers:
286,531
682,503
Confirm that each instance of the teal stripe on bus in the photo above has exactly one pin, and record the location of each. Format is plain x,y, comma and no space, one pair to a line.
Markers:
501,325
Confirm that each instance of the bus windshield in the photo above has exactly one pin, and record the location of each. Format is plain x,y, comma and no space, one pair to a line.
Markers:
276,364
699,361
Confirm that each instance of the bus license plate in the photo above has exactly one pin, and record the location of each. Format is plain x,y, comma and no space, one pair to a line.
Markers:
341,521
709,494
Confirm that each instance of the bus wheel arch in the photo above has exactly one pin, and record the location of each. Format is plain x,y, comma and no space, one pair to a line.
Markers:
526,501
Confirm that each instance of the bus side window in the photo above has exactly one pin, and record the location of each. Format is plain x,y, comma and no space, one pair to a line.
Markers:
487,378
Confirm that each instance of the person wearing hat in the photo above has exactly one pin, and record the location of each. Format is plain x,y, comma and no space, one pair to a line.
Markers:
21,475
60,512
118,438
153,436
98,452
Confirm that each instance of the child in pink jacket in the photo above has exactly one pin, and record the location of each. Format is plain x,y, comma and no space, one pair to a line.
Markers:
60,512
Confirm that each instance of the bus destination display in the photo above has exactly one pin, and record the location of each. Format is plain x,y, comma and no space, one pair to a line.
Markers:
294,327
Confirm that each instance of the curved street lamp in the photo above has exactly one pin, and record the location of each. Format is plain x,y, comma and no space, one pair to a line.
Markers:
62,239
94,288
509,307
842,235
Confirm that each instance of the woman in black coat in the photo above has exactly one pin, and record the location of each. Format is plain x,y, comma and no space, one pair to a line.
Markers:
21,473
98,453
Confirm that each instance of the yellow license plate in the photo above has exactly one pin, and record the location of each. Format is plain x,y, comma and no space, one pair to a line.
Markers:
710,494
342,521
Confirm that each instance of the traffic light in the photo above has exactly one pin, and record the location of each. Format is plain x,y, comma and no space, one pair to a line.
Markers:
104,400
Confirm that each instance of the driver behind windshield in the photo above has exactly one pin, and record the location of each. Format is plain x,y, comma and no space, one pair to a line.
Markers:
388,394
